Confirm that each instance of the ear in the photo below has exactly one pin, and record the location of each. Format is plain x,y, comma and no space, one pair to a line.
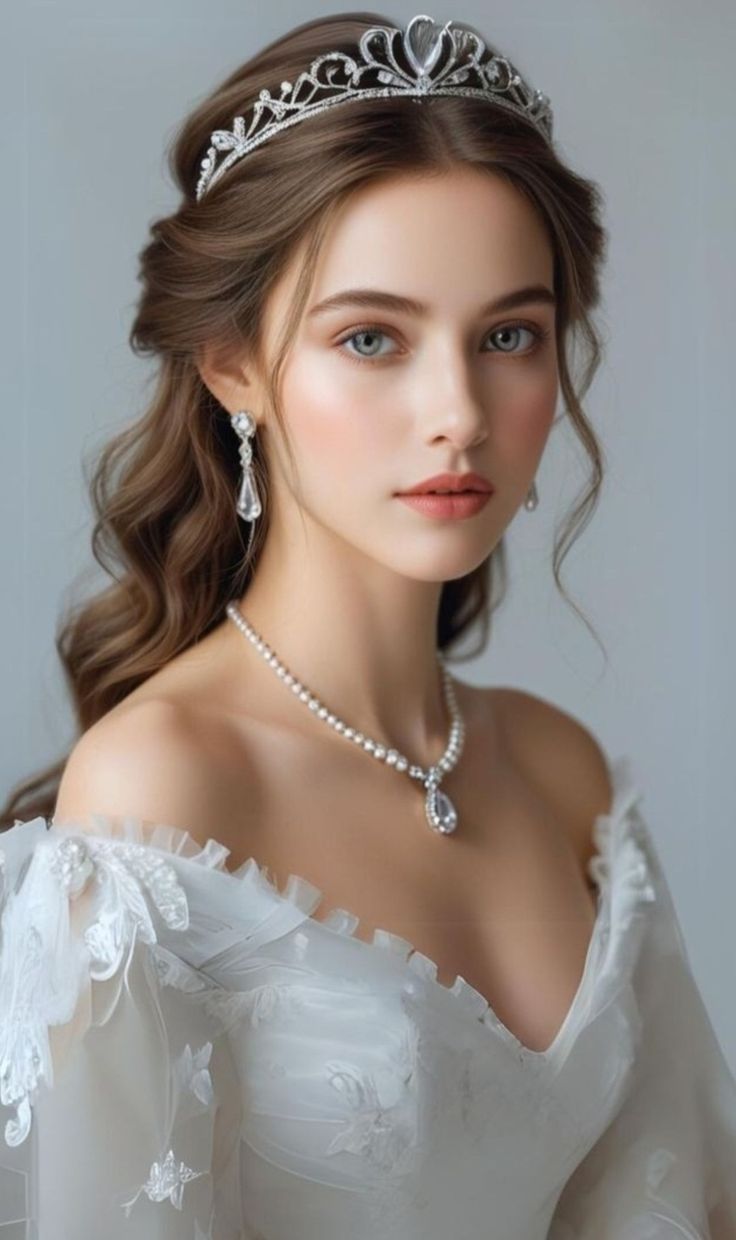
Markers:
230,382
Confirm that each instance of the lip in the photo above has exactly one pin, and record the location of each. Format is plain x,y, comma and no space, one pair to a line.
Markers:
454,507
451,482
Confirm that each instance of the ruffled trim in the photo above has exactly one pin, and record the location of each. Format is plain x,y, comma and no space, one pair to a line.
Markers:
212,855
620,867
620,838
141,864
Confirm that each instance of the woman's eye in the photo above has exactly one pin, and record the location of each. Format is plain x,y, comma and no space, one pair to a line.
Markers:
508,337
372,334
513,331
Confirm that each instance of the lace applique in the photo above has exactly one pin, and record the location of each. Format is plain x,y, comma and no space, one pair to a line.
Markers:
381,1134
191,1078
271,1000
21,1054
122,870
71,863
381,1129
262,1003
191,1072
44,966
166,1180
24,1047
172,971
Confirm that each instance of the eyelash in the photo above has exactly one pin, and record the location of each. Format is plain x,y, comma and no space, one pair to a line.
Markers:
540,335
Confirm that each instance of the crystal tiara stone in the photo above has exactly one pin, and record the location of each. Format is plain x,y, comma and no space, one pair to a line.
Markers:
424,59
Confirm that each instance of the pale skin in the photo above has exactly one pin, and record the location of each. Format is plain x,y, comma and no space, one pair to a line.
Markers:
366,570
346,592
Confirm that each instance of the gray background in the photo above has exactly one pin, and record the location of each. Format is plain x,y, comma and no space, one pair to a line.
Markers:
643,97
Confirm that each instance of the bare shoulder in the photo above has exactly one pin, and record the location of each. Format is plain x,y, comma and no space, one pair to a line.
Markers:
151,761
560,757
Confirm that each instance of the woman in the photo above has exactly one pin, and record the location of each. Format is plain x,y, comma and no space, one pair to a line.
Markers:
375,298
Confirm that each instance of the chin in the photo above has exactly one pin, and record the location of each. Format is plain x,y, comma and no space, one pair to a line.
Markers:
437,565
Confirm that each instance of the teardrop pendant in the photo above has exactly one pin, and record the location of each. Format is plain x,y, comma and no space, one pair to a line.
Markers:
440,811
249,504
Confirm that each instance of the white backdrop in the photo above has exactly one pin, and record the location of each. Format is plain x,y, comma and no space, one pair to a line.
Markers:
643,96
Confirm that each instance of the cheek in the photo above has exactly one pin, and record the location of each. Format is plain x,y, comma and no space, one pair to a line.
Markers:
521,422
338,430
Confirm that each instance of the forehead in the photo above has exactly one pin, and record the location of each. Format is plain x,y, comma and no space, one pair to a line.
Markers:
433,230
452,240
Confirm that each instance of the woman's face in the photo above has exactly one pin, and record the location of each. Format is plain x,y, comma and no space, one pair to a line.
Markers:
378,397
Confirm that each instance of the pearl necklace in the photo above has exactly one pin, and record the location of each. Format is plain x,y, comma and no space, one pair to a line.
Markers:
439,809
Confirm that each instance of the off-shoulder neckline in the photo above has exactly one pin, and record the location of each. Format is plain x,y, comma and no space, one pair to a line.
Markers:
618,861
631,868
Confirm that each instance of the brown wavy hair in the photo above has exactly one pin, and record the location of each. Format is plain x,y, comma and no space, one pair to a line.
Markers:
163,490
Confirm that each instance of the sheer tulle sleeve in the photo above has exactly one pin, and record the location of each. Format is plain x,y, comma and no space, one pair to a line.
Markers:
119,1099
665,1168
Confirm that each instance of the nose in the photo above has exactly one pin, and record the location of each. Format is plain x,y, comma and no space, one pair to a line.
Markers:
452,409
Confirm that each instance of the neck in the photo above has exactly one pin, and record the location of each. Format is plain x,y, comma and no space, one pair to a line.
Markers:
361,638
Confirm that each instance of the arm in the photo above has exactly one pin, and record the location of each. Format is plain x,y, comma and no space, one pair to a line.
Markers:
108,1124
665,1168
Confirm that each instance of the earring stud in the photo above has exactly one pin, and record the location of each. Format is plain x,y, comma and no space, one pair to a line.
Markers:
532,498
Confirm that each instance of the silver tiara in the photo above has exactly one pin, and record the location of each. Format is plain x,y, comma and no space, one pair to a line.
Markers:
439,60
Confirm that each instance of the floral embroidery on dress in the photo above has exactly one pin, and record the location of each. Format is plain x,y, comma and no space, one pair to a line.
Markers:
379,1130
24,1048
261,1003
171,970
166,1180
123,870
72,865
41,980
191,1072
380,1134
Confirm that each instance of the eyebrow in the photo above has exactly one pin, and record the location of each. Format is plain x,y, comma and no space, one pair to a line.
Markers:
373,297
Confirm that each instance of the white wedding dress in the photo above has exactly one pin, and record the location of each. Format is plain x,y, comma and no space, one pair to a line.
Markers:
186,1053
